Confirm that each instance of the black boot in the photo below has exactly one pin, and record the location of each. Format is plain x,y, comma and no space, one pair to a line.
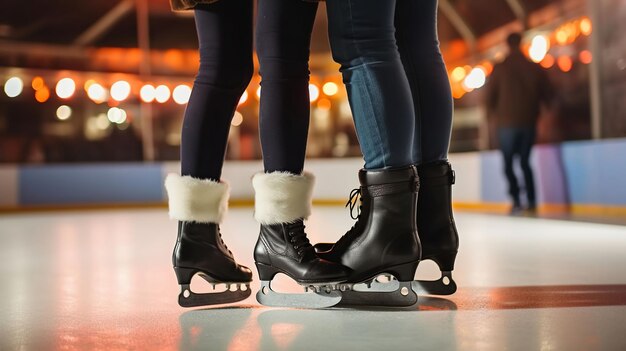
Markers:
384,239
435,222
282,201
199,205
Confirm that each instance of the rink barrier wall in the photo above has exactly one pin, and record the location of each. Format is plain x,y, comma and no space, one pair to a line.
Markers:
579,176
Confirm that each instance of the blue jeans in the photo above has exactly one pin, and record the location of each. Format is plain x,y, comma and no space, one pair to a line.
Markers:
518,142
395,77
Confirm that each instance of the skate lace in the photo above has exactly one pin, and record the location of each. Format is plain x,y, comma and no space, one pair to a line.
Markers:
299,239
355,197
222,242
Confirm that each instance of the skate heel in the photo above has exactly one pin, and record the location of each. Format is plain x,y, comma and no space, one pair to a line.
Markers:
266,272
184,275
445,261
404,272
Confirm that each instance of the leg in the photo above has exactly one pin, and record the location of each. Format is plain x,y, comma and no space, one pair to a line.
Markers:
197,199
283,36
283,192
225,39
418,44
508,141
362,40
416,33
526,144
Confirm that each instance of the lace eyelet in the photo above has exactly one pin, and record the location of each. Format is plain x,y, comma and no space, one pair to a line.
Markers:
296,247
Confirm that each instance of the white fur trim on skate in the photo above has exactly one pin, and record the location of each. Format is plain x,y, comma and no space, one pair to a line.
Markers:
282,197
198,200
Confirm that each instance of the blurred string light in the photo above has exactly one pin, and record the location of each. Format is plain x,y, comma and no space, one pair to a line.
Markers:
37,83
147,93
585,57
330,89
475,79
42,95
458,74
564,63
162,93
243,98
120,90
314,92
539,47
547,61
13,87
324,104
65,88
97,93
64,112
116,115
237,119
181,94
88,83
585,26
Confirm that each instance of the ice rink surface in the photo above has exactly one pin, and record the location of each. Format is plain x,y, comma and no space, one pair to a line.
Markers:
103,280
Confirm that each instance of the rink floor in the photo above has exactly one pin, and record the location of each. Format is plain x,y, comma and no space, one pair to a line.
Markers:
103,280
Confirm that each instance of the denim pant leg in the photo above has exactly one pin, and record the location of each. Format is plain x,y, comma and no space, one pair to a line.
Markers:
362,40
509,141
418,43
283,37
527,140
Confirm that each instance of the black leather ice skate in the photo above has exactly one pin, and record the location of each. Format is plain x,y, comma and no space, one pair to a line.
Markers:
435,223
199,205
282,200
384,239
437,230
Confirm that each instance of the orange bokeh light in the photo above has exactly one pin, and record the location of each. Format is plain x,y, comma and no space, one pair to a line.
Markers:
38,83
565,63
324,104
585,57
547,61
585,26
43,94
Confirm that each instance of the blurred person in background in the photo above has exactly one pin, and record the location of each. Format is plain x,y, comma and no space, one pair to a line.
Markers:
515,92
198,198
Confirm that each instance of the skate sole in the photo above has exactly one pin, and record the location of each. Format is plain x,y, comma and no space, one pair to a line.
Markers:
235,291
325,296
393,294
188,298
442,286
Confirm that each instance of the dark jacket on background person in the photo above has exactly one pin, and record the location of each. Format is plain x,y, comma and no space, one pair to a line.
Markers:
515,91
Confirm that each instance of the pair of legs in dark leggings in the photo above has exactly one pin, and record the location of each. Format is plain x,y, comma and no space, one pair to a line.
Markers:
396,79
225,40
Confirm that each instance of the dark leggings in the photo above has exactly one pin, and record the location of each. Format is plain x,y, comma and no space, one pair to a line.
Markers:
396,79
225,45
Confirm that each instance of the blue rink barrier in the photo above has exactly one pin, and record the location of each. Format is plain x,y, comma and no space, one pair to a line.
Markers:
585,173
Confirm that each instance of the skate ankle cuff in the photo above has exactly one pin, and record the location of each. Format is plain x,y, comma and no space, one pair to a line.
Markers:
282,197
197,200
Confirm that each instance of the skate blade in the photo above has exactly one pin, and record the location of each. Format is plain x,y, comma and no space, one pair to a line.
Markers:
442,286
188,298
404,296
324,297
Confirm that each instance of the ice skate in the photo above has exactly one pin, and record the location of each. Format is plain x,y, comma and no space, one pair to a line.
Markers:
199,206
435,223
383,241
282,202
